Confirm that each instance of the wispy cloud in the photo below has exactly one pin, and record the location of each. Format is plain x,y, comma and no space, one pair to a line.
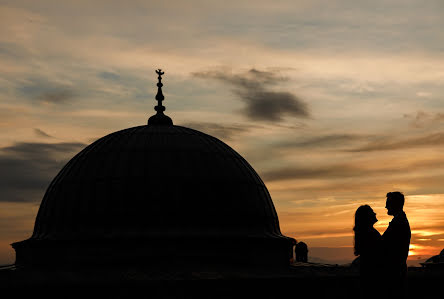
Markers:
27,168
41,133
254,89
47,92
56,96
327,141
366,177
327,171
422,119
435,139
109,76
222,131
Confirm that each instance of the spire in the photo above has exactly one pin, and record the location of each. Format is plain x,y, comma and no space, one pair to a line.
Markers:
159,118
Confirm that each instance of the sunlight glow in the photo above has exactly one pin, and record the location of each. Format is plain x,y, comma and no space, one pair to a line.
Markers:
424,233
412,249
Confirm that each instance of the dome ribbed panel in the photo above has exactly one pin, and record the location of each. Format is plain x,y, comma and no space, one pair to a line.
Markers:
156,180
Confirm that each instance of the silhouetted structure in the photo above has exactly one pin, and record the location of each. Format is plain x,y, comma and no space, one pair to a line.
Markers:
301,251
435,262
135,196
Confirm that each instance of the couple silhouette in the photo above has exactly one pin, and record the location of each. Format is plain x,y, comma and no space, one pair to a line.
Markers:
383,266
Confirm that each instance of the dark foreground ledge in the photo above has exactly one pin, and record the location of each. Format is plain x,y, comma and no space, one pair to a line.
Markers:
302,281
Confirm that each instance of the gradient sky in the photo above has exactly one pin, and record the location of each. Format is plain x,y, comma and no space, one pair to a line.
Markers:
334,103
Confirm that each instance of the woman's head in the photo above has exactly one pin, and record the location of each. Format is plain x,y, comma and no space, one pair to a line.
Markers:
364,219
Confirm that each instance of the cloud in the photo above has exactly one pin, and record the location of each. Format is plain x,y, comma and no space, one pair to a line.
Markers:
222,131
272,105
26,169
423,119
254,89
356,170
109,76
303,172
55,96
47,92
332,140
41,133
430,140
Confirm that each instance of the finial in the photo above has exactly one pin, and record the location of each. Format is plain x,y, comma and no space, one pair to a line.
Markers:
159,118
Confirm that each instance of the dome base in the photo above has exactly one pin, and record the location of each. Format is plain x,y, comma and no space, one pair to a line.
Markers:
192,254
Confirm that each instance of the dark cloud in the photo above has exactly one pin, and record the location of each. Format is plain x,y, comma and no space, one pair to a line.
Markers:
47,92
56,96
41,133
254,89
249,80
319,172
430,140
225,132
272,105
109,76
26,169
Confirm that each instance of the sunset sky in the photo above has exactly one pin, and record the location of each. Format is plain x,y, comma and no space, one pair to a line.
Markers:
334,103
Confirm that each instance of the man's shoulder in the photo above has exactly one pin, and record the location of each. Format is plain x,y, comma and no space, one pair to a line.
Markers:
400,222
400,218
404,218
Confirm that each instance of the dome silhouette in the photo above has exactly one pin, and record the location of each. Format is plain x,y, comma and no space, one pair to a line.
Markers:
151,180
150,193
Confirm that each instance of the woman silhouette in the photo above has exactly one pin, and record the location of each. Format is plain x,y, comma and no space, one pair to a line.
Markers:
368,246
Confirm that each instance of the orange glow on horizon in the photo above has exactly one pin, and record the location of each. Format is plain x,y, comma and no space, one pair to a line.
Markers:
417,250
412,249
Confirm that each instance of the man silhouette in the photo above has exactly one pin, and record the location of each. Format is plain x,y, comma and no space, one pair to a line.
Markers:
396,241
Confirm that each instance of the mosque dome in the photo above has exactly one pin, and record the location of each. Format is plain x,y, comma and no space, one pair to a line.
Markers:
151,192
151,180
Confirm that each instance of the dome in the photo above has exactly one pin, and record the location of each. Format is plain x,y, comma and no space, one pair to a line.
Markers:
155,180
157,193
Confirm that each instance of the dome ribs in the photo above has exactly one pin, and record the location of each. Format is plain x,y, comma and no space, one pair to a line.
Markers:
148,181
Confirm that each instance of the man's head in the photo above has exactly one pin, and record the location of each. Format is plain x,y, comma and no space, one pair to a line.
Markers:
394,203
